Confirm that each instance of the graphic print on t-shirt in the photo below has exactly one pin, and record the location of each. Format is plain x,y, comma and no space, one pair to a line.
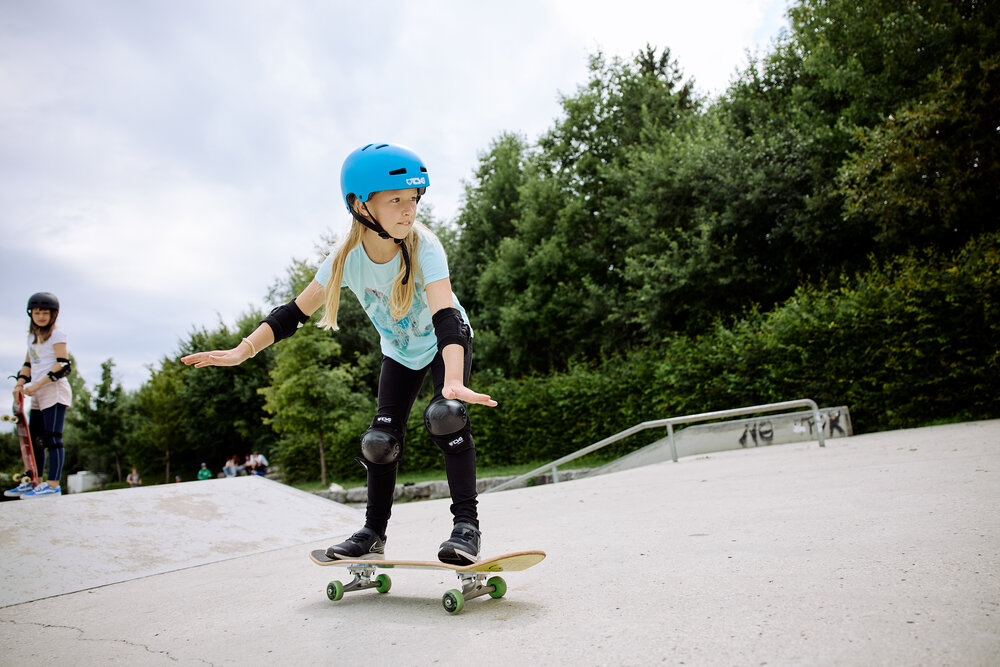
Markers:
398,332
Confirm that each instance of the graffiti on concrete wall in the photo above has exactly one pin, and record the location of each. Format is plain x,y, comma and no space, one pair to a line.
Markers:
830,424
758,433
761,433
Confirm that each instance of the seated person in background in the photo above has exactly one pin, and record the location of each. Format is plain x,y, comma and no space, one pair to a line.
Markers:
258,464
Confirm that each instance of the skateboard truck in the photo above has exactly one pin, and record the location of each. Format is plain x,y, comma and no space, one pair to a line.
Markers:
474,584
363,579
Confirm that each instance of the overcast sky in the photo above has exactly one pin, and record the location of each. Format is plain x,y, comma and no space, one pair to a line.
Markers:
162,162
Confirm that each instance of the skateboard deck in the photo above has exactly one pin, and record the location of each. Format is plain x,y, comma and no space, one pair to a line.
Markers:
472,577
24,438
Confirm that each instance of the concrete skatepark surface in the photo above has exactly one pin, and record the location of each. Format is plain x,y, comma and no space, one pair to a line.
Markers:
95,539
881,549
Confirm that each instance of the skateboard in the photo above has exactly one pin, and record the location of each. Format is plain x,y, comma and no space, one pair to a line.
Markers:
473,577
24,438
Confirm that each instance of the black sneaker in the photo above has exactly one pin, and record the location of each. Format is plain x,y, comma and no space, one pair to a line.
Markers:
364,544
462,548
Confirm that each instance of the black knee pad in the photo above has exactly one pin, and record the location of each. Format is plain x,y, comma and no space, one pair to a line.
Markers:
382,443
447,422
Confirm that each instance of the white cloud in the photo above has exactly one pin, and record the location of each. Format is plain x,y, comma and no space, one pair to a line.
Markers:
708,39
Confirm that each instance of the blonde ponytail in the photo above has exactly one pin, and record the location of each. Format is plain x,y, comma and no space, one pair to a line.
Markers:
401,298
332,289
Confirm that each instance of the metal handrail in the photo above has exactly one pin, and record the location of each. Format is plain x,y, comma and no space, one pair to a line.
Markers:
669,423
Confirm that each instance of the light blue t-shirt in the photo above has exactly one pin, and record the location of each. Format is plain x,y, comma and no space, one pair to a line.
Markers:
411,340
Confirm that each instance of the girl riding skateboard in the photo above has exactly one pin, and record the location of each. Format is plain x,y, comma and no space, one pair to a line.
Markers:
399,272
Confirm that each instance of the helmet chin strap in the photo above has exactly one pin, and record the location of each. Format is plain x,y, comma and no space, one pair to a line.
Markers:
374,225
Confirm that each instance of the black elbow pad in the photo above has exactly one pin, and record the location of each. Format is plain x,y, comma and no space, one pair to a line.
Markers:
285,320
66,369
450,329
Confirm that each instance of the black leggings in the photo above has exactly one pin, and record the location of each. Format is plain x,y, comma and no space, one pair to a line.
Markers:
46,428
397,391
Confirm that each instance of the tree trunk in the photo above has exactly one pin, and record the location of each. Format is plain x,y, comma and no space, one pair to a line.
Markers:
322,463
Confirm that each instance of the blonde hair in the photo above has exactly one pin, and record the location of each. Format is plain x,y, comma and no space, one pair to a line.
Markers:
400,297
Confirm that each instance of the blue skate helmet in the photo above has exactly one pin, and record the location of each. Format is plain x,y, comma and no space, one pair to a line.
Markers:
377,167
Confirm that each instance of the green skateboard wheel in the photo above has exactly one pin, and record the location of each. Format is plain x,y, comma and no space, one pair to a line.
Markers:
499,585
453,601
335,590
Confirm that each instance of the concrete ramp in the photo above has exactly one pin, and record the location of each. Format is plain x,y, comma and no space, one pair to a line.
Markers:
54,546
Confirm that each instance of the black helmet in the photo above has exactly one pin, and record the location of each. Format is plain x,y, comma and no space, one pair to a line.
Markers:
43,300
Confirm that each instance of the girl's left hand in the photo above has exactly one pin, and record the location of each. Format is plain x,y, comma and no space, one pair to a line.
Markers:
462,393
29,389
233,357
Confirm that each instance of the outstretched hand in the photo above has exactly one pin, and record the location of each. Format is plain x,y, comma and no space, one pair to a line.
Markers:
232,357
463,393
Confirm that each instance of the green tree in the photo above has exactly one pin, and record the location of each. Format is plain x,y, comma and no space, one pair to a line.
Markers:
99,426
10,451
929,173
870,127
312,401
911,90
157,434
488,215
224,413
558,277
489,210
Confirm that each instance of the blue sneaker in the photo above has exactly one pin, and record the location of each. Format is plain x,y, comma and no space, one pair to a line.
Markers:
41,490
20,489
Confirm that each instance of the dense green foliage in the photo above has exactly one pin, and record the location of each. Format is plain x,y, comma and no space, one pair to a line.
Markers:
827,228
870,128
912,341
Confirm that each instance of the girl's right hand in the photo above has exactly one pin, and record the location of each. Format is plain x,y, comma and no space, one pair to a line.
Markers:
233,357
459,391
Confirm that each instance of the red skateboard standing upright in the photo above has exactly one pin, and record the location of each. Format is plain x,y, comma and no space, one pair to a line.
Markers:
24,437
